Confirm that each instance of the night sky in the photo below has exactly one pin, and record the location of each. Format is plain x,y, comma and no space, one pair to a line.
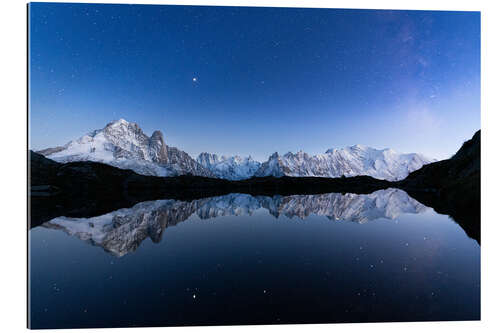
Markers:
236,80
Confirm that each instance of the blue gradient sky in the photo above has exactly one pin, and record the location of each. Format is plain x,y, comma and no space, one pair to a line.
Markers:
269,79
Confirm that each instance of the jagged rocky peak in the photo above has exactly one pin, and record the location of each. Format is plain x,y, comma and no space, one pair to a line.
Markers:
157,140
207,158
229,167
159,148
121,126
299,155
120,122
157,136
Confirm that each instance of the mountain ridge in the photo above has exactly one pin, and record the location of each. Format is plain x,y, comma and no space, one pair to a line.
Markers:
124,145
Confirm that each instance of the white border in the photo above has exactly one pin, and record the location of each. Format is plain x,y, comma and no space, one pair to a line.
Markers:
13,166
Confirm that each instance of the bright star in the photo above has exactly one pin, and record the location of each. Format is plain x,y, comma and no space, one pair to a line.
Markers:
195,79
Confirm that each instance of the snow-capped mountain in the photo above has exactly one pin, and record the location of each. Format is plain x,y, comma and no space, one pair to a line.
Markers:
123,230
351,161
124,145
233,167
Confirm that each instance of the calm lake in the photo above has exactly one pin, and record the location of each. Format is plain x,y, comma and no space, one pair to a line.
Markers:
242,259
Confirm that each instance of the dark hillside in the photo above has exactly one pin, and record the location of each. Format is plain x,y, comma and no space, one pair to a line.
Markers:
452,186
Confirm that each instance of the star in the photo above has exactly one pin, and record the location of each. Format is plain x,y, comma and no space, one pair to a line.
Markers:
195,79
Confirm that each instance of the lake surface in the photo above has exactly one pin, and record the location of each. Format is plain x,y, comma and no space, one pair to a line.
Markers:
240,259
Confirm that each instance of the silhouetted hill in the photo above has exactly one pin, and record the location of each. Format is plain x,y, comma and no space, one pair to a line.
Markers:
452,186
463,169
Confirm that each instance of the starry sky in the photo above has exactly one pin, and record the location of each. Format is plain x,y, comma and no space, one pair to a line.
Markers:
237,80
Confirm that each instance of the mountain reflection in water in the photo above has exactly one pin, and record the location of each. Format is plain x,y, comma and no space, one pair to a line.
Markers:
122,231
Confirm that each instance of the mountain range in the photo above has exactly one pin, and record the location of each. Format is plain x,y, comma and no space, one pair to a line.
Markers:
83,189
124,145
